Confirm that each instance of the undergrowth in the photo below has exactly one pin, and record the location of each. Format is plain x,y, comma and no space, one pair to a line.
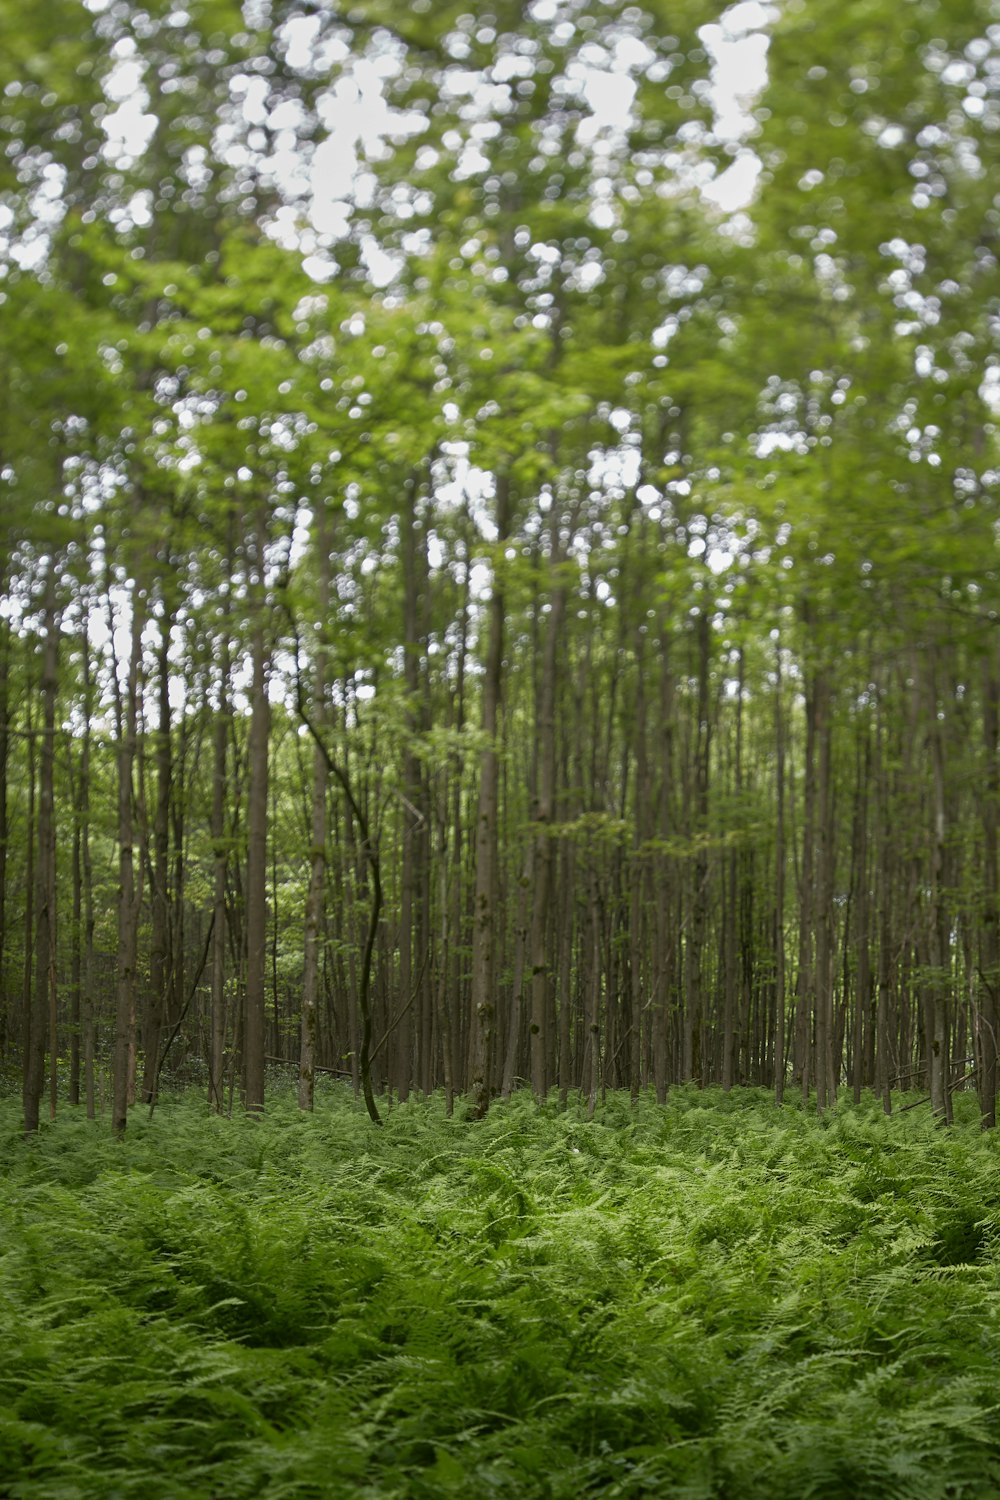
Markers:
714,1299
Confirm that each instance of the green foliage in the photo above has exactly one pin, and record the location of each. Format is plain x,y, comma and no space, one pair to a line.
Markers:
712,1299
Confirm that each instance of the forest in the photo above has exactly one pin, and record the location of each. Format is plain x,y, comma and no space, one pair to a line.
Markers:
499,642
479,610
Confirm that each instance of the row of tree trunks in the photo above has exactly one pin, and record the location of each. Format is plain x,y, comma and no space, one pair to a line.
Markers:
632,979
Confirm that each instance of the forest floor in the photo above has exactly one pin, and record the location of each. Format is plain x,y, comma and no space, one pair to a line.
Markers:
714,1299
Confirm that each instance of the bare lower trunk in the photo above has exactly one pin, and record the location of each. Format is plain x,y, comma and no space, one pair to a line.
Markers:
39,1019
939,941
989,1012
544,846
317,878
862,1000
5,710
485,916
87,1017
127,903
778,1041
826,1079
254,1025
158,863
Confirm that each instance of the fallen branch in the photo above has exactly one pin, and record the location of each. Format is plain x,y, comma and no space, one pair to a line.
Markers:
951,1089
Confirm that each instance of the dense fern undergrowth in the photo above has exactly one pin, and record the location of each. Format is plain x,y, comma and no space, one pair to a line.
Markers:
715,1298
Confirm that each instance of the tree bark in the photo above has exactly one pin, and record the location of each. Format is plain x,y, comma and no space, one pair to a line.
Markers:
5,712
412,1045
485,914
159,868
862,999
545,734
778,1034
220,855
39,1019
731,1002
315,900
826,1078
939,941
254,1025
989,1012
128,905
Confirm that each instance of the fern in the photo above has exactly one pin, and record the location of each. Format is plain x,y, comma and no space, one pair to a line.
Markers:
712,1299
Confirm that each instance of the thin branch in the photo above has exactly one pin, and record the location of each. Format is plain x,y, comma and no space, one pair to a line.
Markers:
180,1019
371,855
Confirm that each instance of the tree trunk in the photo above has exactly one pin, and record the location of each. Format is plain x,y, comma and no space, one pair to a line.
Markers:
545,734
989,1012
87,1007
39,1019
254,1026
5,996
638,926
159,867
732,925
128,905
592,1044
862,999
76,963
826,1079
220,849
696,1059
485,917
939,941
315,900
805,981
412,1044
778,1041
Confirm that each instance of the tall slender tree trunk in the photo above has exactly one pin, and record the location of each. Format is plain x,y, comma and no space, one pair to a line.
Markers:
412,1045
989,1011
444,999
805,981
862,1001
732,978
175,977
39,1017
128,905
592,1044
696,1058
568,859
76,963
666,927
545,734
826,1080
939,939
5,664
883,885
159,867
27,973
221,727
88,1006
638,933
254,1025
780,983
485,929
521,984
315,901
519,964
